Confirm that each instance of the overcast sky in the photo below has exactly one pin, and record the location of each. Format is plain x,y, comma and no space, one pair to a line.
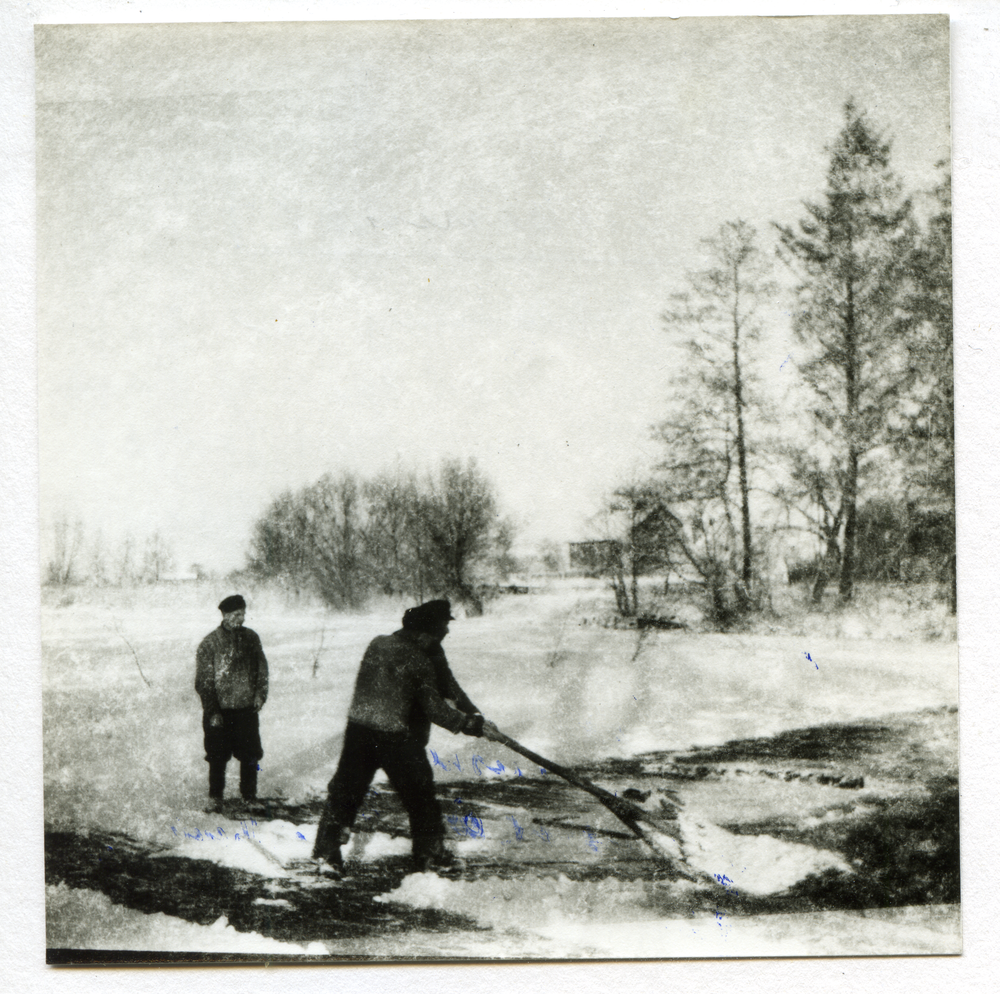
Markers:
271,251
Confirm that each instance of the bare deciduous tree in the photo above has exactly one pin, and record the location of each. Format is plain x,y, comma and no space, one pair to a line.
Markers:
457,517
157,558
347,539
63,566
640,531
391,551
707,435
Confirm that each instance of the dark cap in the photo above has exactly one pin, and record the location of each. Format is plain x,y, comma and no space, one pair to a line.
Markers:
427,616
234,602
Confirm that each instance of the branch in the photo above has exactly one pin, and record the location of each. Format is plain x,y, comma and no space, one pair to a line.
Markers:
118,629
315,668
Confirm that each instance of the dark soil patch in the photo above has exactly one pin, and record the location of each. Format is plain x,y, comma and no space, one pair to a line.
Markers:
906,851
894,747
140,877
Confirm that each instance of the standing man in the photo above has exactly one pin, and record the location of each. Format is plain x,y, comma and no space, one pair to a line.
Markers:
403,685
231,680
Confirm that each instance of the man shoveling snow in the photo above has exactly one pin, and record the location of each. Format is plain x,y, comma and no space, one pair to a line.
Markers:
403,685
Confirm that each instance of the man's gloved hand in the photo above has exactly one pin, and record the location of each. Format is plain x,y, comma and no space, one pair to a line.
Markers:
258,703
473,725
476,724
215,721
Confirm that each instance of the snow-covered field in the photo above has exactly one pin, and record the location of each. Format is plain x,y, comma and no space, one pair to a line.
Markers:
554,875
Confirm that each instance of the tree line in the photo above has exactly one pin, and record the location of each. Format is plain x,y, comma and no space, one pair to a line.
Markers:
347,538
74,557
860,455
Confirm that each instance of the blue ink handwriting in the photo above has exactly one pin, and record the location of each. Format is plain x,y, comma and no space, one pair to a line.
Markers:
470,825
218,833
478,764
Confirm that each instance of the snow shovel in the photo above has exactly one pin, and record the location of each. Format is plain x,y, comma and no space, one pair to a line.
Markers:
695,847
662,837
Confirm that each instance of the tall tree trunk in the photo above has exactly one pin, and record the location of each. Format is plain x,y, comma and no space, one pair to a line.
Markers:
830,560
850,503
846,589
741,455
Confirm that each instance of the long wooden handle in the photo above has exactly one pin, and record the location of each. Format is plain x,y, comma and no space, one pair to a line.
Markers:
623,809
646,827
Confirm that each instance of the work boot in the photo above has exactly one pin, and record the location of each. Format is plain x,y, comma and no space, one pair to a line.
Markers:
437,859
329,838
331,866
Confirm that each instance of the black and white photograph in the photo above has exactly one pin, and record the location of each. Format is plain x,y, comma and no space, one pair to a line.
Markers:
497,490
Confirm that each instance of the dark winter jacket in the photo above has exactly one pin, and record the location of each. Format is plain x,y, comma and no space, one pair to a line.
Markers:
402,687
231,670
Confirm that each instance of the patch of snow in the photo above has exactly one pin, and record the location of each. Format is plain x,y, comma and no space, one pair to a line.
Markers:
87,919
370,846
237,854
753,864
532,900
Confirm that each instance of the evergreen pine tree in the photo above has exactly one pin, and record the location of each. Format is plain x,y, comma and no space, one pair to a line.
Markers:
852,254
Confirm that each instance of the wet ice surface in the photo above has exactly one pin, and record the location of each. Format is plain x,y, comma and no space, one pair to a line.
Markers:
550,872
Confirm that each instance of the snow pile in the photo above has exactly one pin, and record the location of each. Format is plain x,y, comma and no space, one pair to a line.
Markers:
752,864
85,919
266,849
423,890
371,846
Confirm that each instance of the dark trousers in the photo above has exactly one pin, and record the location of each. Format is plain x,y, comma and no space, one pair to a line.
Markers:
237,737
404,760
